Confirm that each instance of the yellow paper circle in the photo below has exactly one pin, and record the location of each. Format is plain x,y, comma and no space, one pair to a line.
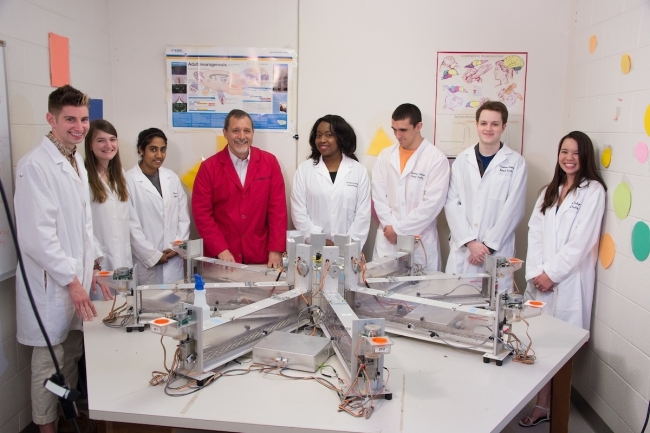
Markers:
606,157
593,43
646,120
607,250
626,63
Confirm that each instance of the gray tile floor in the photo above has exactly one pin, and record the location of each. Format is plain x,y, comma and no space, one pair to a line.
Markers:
577,424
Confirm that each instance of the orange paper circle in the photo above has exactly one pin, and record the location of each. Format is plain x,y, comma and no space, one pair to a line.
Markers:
607,250
103,273
161,321
593,43
626,63
536,303
380,340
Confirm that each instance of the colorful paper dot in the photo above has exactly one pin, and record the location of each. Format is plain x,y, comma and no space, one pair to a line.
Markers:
641,152
622,200
641,241
626,64
593,43
606,157
607,250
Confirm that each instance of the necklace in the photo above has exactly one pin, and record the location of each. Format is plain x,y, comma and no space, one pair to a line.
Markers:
103,174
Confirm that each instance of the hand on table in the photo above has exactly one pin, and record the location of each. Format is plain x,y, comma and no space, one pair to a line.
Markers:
106,291
275,260
83,306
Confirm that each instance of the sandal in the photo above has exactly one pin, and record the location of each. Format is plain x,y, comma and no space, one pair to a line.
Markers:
527,421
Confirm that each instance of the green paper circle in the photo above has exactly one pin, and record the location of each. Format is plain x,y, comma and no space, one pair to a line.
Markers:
622,200
641,241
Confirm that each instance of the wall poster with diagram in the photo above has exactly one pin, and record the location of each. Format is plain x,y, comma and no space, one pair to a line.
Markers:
464,81
205,83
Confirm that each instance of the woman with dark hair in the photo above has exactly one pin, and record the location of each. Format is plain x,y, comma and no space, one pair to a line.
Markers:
160,204
115,224
563,244
331,190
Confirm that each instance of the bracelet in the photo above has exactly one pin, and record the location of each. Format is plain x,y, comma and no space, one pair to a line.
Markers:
97,267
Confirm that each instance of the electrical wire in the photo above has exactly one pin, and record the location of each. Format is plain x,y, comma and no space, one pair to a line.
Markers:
116,313
362,265
461,285
522,355
454,346
19,255
424,250
647,415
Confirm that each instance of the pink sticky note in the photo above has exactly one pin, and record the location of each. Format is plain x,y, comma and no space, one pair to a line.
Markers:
59,60
641,152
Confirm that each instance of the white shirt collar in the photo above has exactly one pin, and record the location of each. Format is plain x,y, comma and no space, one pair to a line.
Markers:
234,158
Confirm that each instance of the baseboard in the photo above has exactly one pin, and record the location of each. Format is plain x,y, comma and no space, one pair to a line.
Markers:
588,413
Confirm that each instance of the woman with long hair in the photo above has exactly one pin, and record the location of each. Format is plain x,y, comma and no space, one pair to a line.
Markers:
160,204
109,198
331,190
115,225
563,235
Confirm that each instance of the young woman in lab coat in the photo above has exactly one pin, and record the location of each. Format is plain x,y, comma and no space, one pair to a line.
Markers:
563,244
331,190
160,204
115,225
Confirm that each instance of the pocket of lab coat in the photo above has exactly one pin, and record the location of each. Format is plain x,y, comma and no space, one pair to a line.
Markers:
500,185
568,295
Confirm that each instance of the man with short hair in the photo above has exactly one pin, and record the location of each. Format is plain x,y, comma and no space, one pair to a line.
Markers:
409,187
487,196
55,234
238,199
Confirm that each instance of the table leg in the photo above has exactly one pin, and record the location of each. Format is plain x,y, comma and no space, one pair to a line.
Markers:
561,399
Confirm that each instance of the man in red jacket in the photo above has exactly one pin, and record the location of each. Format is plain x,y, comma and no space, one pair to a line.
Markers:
238,199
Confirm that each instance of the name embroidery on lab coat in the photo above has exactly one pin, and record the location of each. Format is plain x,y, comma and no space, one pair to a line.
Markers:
352,184
575,205
506,168
415,175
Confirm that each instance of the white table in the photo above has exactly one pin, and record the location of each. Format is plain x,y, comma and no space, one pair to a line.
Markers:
435,388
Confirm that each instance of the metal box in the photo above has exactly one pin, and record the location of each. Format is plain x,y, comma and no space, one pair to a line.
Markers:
294,351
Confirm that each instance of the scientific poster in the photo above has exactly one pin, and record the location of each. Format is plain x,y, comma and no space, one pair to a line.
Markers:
466,80
205,83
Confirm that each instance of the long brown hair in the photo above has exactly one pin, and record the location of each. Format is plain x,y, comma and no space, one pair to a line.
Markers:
116,181
587,170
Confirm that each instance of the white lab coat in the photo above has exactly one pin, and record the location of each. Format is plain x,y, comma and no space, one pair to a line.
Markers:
163,220
117,230
410,201
55,233
486,209
565,246
342,207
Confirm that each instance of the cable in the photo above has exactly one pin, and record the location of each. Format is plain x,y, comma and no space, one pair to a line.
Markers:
424,250
453,346
461,285
114,314
58,378
647,415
